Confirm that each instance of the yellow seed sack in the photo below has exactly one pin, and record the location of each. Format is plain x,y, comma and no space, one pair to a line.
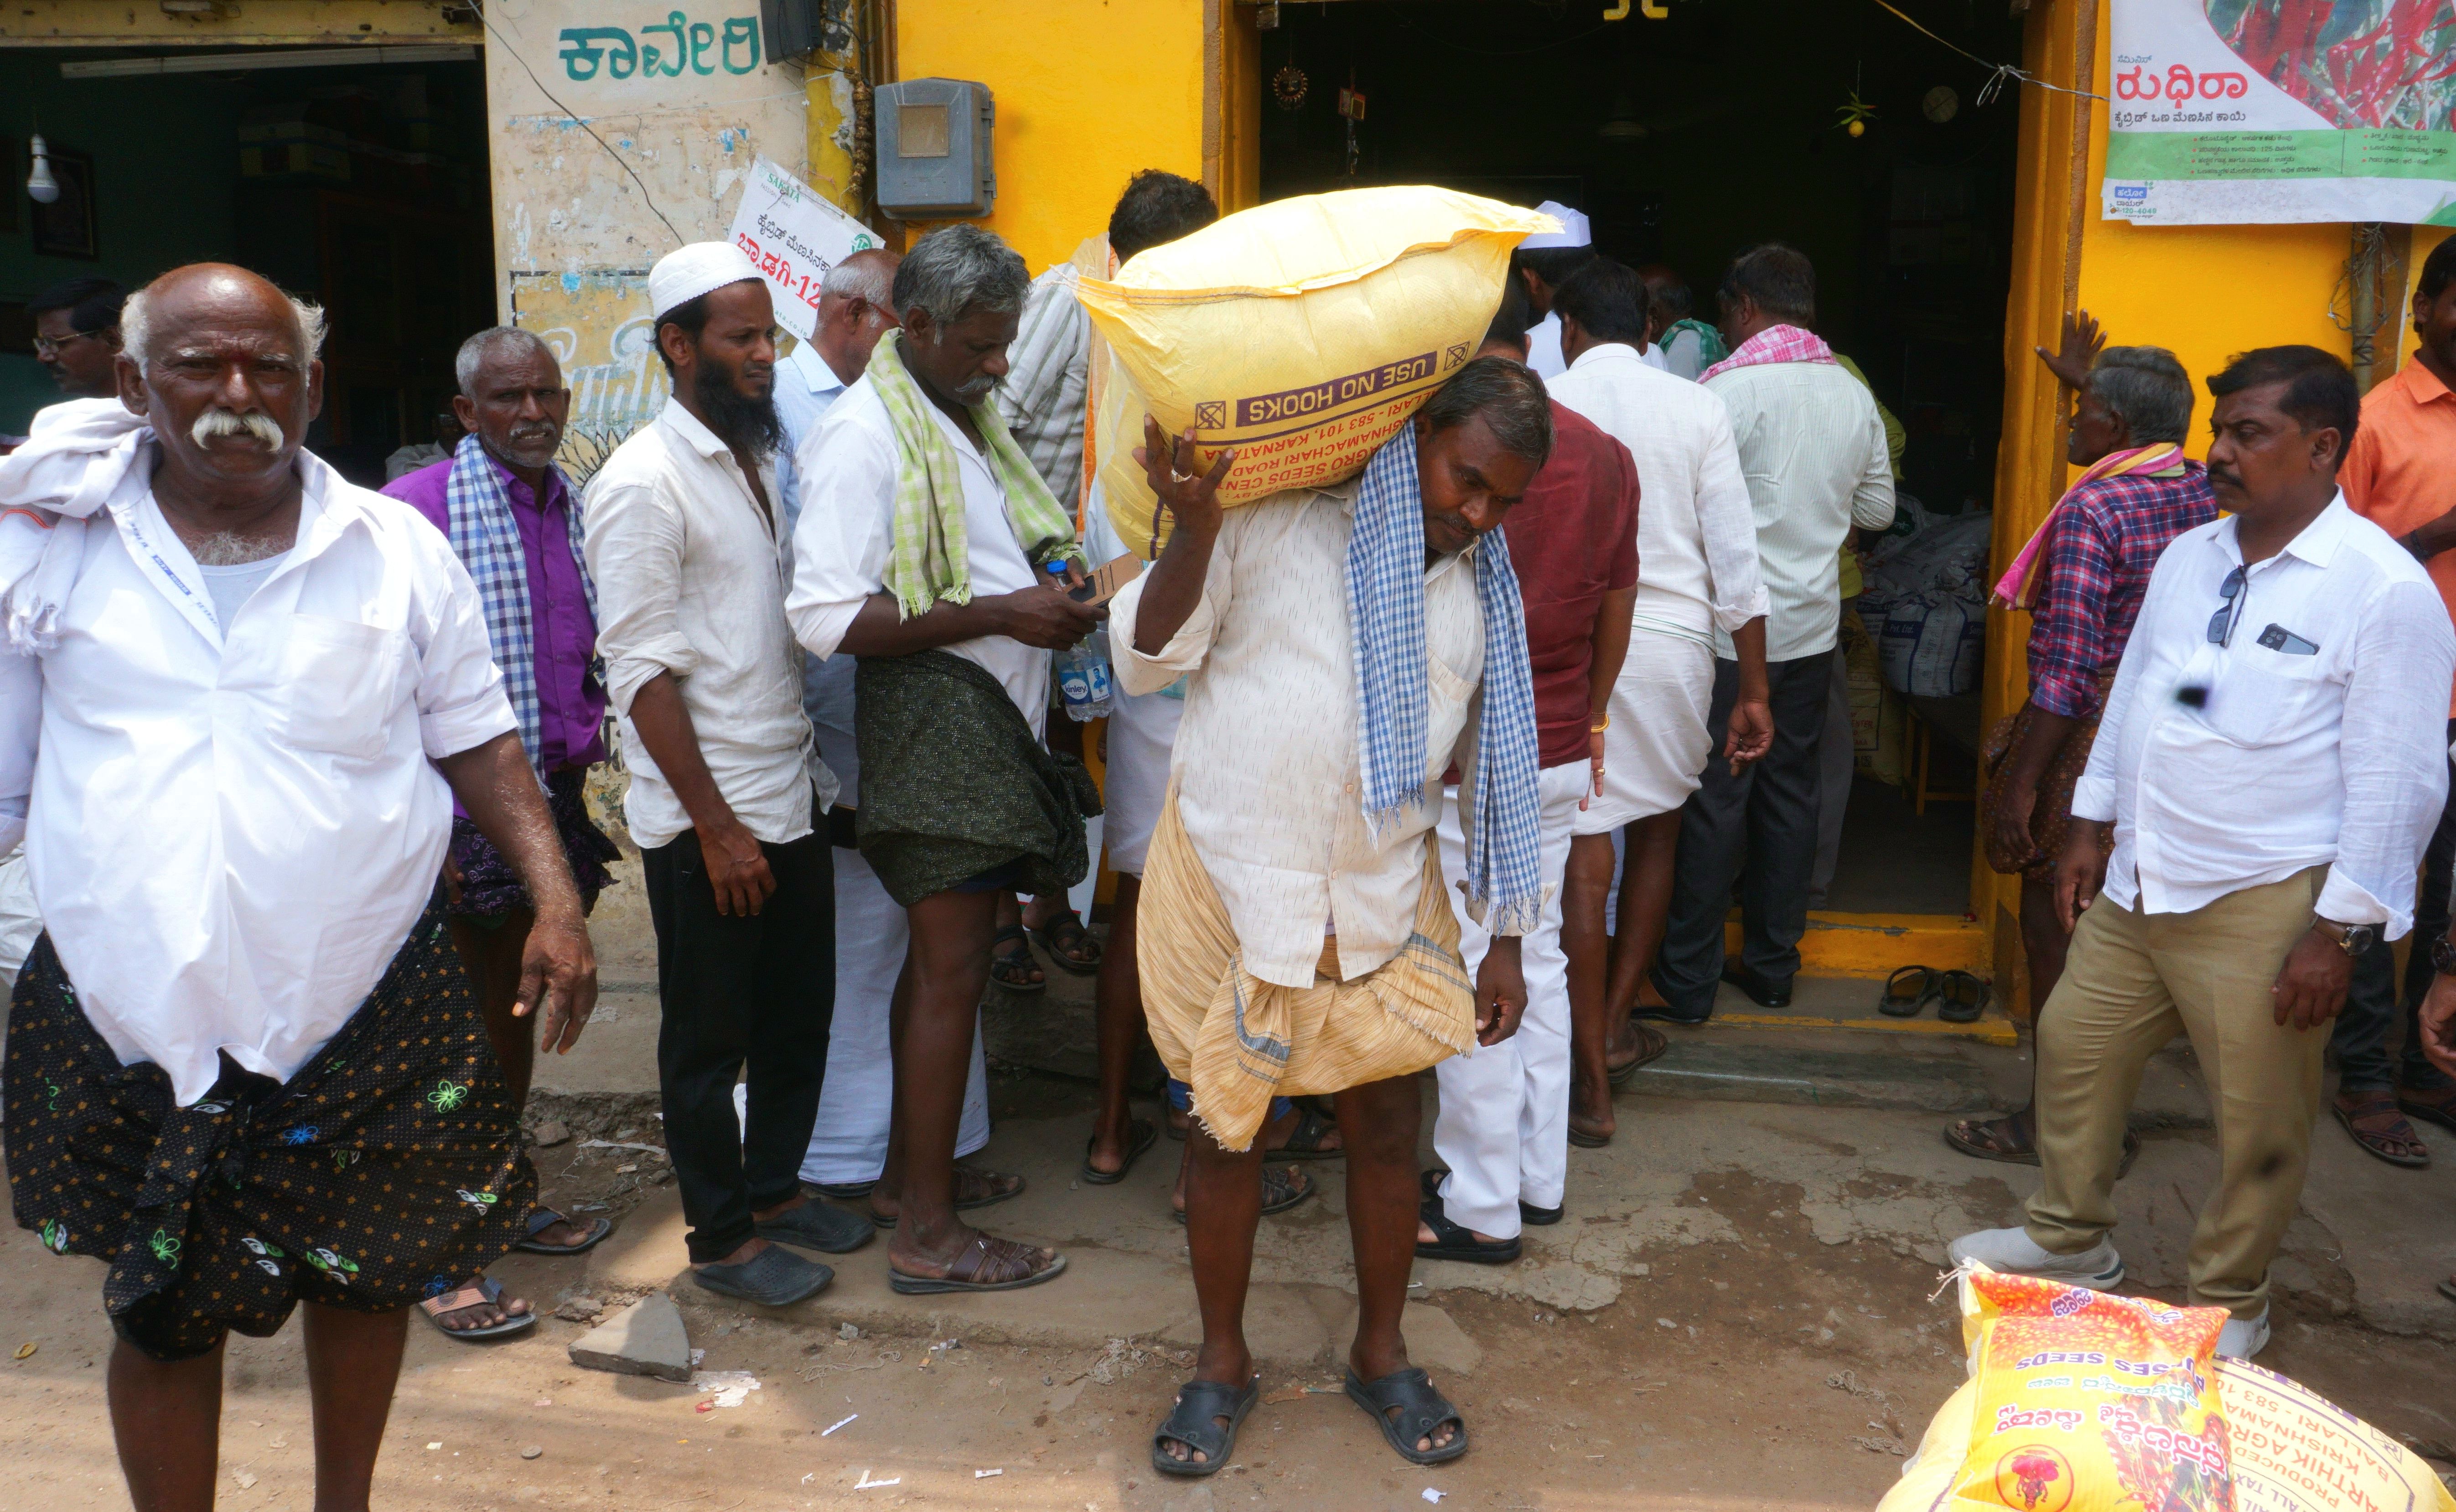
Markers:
1303,332
2082,1401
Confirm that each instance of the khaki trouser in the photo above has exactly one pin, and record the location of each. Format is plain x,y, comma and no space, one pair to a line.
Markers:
2131,981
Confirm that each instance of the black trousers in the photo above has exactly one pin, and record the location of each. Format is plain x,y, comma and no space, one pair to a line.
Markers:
1758,830
757,990
2361,1038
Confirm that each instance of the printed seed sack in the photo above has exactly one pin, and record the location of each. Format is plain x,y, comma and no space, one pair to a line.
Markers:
1303,331
2082,1401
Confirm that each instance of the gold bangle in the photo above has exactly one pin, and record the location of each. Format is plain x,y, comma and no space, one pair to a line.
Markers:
1593,728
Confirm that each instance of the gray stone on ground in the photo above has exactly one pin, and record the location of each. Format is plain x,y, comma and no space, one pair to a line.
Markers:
552,1132
645,1338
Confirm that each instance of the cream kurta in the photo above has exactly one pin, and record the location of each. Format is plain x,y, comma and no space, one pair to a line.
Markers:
1266,768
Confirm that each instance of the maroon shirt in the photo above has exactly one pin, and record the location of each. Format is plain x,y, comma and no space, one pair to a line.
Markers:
1572,539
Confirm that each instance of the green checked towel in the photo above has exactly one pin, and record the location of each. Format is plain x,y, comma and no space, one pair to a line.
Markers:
932,556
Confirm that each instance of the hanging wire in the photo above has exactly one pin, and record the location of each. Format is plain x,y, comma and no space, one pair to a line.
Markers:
2358,284
1998,73
576,120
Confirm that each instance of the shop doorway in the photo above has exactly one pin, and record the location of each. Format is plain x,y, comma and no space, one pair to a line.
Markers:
1687,139
361,186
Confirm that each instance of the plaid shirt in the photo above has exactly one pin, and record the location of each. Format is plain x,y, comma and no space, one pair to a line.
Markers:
2106,541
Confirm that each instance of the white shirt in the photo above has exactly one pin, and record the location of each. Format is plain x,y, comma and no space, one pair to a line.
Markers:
2332,757
848,531
232,830
1696,532
1684,355
690,582
1266,766
1813,450
1544,351
805,389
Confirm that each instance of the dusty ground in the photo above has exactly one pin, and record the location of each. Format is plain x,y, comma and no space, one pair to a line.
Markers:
1752,1355
1736,1313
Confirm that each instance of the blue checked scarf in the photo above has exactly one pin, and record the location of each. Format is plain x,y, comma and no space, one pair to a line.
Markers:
1385,617
488,539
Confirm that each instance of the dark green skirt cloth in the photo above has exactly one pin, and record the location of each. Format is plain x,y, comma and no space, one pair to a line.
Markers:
387,1169
954,784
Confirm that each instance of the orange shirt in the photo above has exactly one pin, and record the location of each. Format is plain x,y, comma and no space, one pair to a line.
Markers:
2400,472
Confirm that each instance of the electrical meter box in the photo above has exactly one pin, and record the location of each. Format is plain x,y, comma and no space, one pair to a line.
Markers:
934,149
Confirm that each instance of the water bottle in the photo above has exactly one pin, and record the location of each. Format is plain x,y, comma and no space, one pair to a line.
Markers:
1082,669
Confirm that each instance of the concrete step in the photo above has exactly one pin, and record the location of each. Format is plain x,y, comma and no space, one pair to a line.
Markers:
1765,1068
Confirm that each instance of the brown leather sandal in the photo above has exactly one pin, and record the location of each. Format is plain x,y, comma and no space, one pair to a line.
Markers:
986,1265
2379,1126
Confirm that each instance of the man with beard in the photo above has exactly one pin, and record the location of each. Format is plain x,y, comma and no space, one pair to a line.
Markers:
685,542
513,521
243,1068
927,548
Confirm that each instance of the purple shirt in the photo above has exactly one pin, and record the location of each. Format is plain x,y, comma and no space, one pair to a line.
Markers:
572,703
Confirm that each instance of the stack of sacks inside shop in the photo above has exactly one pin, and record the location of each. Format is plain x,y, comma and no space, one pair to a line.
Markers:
2086,1401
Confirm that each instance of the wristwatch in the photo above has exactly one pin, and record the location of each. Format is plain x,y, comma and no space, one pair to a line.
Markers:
2351,938
2443,955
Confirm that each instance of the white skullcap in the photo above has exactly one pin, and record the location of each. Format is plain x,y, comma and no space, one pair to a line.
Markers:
683,276
1573,232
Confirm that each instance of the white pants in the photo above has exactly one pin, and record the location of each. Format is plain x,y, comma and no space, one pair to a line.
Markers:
848,1142
1503,1129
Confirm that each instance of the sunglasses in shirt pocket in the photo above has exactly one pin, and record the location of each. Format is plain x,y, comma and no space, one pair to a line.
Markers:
2267,689
339,681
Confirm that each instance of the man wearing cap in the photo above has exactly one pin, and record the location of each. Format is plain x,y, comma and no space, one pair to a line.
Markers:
1544,262
686,544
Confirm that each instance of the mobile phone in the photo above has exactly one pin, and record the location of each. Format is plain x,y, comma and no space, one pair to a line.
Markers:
1108,581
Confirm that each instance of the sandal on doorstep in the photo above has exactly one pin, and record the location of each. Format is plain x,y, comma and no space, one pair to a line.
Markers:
2010,1139
1907,991
1062,937
485,1292
975,1188
1405,1405
1006,967
1961,997
1283,1187
2377,1124
1140,1137
1453,1241
1205,1418
986,1265
544,1218
1305,1143
1651,1043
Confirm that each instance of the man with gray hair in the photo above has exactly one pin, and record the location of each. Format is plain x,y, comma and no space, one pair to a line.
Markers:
244,1068
513,521
2081,578
929,548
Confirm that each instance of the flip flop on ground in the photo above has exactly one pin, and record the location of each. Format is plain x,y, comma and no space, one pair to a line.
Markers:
1140,1137
592,1232
1204,1420
975,1188
1409,1413
483,1292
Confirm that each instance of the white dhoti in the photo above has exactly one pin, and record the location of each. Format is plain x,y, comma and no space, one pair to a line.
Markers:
849,1141
1658,744
1143,733
1503,1129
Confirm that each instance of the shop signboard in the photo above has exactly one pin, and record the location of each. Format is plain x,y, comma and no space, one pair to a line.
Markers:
2241,111
792,237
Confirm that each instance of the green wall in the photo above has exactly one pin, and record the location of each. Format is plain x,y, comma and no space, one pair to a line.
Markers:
165,154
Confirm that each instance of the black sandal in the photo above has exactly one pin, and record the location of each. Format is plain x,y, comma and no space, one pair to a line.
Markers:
1283,1187
1140,1137
1420,1409
1908,991
1065,932
2021,1148
1451,1243
1962,997
1306,1143
1193,1421
1007,969
1651,1043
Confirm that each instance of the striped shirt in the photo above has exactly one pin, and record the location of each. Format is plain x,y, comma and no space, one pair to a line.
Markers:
1042,396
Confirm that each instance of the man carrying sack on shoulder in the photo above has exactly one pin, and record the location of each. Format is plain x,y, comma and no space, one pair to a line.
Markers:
1343,647
923,549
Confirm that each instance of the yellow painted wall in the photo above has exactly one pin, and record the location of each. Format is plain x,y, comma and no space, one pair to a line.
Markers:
1088,92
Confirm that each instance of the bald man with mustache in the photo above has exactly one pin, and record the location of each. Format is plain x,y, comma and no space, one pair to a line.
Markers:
244,1068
